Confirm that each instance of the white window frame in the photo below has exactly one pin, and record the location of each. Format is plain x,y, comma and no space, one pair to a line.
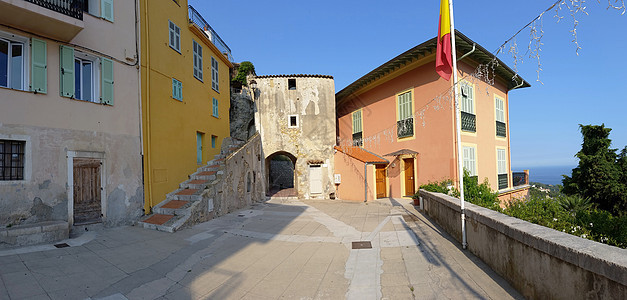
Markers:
197,51
12,38
467,96
174,37
215,75
469,157
289,124
501,161
95,75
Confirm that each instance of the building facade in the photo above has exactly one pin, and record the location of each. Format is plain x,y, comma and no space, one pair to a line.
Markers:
69,114
295,116
404,112
185,94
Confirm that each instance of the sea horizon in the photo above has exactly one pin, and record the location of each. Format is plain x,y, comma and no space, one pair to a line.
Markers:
548,174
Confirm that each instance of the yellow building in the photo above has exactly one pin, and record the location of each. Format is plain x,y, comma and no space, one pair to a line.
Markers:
185,94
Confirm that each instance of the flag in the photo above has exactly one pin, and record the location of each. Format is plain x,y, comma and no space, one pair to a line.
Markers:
443,61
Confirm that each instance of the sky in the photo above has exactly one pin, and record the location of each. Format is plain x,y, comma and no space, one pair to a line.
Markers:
347,39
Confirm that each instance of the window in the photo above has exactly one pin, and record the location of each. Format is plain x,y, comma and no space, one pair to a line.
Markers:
292,121
499,105
177,90
175,37
291,84
197,60
215,107
214,74
405,122
12,63
213,141
12,160
467,107
95,7
470,160
86,77
357,128
501,164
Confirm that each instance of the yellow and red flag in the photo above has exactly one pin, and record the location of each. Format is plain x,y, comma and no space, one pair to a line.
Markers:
444,51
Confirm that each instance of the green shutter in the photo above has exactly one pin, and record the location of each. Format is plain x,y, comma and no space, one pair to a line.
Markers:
106,10
67,71
39,78
107,81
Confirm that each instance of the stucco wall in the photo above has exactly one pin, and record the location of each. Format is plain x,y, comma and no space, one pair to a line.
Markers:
312,140
53,127
539,262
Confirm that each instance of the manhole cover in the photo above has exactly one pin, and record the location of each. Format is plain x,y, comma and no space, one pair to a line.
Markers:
362,245
62,245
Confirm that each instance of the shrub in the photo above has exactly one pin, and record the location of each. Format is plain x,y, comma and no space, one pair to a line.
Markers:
245,68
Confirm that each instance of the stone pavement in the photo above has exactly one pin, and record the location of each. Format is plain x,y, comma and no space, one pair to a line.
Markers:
280,249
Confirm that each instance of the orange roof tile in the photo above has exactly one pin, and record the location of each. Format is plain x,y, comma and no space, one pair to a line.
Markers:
361,154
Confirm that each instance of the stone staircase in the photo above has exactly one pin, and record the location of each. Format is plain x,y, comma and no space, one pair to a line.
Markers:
188,205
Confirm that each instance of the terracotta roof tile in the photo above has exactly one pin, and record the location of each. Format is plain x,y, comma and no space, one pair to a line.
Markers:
361,154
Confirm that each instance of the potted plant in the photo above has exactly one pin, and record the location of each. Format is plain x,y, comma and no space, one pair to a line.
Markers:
416,198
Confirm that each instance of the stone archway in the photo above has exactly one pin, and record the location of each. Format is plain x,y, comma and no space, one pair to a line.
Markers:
280,168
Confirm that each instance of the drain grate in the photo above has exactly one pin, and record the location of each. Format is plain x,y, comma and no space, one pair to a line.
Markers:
362,245
62,245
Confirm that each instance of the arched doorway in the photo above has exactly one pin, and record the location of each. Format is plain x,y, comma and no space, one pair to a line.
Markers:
280,167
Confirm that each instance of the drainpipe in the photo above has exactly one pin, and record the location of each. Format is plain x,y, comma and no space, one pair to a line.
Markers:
365,182
471,51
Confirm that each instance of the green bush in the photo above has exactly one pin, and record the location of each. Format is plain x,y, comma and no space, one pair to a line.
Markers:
437,187
245,68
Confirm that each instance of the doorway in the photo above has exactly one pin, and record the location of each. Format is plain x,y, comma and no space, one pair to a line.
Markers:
280,173
381,181
315,179
410,189
199,138
87,196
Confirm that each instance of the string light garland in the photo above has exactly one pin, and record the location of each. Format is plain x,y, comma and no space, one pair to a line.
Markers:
486,72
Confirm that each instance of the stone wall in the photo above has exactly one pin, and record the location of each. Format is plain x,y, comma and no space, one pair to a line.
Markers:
241,114
541,263
242,182
300,121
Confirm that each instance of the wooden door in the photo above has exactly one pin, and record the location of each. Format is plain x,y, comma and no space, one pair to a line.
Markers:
381,184
409,177
87,191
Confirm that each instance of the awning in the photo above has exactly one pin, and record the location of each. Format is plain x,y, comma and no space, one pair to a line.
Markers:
362,154
402,152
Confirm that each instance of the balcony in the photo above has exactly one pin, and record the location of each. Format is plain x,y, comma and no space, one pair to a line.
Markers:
469,122
57,19
405,128
357,139
501,130
196,19
520,178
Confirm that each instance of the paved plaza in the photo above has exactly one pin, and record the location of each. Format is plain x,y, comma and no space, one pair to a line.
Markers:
281,249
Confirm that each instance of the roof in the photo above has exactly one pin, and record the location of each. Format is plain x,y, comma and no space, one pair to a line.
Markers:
463,44
295,75
362,154
402,152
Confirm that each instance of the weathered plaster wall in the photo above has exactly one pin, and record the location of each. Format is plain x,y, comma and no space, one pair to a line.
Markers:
541,263
43,195
312,140
242,183
352,178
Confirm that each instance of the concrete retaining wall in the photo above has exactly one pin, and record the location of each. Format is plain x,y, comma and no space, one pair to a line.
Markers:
541,263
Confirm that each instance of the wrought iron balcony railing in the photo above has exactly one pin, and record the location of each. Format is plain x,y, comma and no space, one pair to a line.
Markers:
72,8
469,122
519,178
198,20
501,130
405,128
503,181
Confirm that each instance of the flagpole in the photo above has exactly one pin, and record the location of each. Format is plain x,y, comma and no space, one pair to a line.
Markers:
460,165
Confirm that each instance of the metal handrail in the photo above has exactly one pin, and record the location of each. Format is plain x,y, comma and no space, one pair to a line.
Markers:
198,20
70,8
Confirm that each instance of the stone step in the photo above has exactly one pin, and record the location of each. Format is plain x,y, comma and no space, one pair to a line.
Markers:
185,194
173,207
197,184
204,175
163,222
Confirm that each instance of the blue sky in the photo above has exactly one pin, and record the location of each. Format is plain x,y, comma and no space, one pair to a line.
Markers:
347,39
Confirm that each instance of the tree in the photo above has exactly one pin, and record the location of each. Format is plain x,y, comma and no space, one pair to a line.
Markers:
601,173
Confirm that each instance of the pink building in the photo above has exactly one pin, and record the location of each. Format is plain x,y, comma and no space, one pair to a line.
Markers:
403,114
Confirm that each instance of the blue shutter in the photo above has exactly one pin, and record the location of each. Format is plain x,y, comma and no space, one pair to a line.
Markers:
107,81
66,71
39,71
106,10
